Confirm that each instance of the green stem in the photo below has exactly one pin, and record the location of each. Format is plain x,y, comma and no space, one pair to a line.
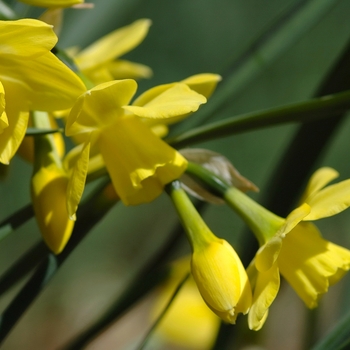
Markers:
196,229
262,222
306,111
213,183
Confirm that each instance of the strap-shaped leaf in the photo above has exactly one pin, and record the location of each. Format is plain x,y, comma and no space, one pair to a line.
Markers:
338,338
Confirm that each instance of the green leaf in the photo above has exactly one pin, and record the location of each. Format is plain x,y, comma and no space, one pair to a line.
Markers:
262,53
6,12
314,109
338,338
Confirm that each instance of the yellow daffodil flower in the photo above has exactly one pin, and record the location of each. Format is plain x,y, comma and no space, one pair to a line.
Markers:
100,61
188,322
138,161
294,246
32,77
216,268
49,188
52,3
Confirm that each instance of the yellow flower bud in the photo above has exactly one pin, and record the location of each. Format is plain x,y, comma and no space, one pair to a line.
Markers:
221,279
49,193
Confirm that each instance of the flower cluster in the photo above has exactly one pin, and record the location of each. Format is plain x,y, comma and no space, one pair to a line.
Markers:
88,100
292,247
110,131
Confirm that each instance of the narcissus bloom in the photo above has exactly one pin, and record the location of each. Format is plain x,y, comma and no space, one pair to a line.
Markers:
100,61
32,78
49,188
138,161
216,268
294,246
52,3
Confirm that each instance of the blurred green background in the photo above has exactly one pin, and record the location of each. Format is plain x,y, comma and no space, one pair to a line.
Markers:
186,37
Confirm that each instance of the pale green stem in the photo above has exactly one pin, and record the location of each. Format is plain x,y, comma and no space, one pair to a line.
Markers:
196,229
305,111
261,221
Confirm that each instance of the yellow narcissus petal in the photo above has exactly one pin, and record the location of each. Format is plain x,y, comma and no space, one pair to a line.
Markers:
265,291
267,254
15,36
3,117
171,105
100,106
49,192
4,123
141,163
113,45
122,69
12,136
319,179
204,83
54,17
77,180
119,69
151,94
52,3
43,83
311,264
293,219
329,201
221,279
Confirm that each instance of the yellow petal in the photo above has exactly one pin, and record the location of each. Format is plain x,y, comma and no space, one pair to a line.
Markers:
100,106
151,94
77,180
318,180
43,83
48,188
293,219
54,17
171,105
204,83
52,3
13,135
268,254
122,69
139,163
311,264
265,292
113,45
329,201
25,38
221,279
3,117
